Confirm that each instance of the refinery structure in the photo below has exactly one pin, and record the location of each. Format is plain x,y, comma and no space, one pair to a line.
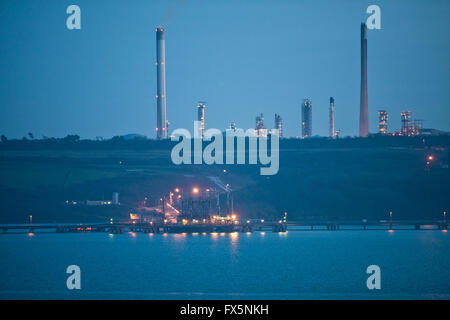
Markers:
161,121
382,122
364,99
409,127
194,206
306,118
201,117
279,125
260,128
332,132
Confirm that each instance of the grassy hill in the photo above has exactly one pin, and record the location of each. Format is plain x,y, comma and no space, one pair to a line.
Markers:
320,178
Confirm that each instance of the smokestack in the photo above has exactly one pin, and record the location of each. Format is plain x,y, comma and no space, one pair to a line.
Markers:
161,122
332,133
364,102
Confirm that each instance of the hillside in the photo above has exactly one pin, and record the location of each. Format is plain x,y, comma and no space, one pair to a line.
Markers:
317,179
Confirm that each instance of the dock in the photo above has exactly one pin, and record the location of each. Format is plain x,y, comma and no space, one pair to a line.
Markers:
237,226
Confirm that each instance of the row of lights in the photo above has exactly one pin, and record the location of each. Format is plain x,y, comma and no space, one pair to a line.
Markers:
443,213
195,190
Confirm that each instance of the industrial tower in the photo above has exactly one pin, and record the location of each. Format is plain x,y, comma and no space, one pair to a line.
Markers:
260,128
406,122
364,102
161,122
382,122
279,125
306,118
201,117
332,132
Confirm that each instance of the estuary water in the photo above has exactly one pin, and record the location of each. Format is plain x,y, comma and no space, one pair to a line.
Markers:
258,265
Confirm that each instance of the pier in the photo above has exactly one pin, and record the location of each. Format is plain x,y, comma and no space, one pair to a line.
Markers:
237,226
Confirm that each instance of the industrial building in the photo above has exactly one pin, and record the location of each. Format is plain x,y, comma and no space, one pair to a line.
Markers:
161,122
382,122
201,117
279,125
260,128
406,118
306,118
114,201
410,127
364,101
332,132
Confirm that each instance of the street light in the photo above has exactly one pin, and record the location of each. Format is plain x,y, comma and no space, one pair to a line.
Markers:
195,190
445,213
31,219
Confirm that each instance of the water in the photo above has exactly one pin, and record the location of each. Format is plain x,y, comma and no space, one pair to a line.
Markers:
292,265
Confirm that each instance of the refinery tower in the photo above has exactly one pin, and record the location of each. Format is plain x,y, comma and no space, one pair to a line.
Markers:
306,118
201,117
332,132
161,122
364,103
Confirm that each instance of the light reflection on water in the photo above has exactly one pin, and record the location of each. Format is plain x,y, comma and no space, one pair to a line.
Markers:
260,265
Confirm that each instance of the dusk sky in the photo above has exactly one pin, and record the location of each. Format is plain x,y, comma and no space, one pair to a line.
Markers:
241,57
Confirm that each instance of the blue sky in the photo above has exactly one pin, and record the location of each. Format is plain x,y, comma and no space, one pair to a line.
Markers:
242,57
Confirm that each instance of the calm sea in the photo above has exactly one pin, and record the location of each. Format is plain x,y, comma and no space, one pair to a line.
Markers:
292,265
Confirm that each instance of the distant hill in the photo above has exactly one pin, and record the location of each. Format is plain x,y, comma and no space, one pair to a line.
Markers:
318,178
134,136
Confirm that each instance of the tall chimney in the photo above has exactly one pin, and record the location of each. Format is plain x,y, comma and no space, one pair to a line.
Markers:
364,102
161,122
332,132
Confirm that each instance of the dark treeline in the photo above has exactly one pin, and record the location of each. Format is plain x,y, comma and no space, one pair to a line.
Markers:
73,142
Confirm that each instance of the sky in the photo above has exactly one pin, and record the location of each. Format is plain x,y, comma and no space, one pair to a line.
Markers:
241,57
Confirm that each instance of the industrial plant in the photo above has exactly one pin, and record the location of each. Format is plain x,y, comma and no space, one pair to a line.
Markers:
409,127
